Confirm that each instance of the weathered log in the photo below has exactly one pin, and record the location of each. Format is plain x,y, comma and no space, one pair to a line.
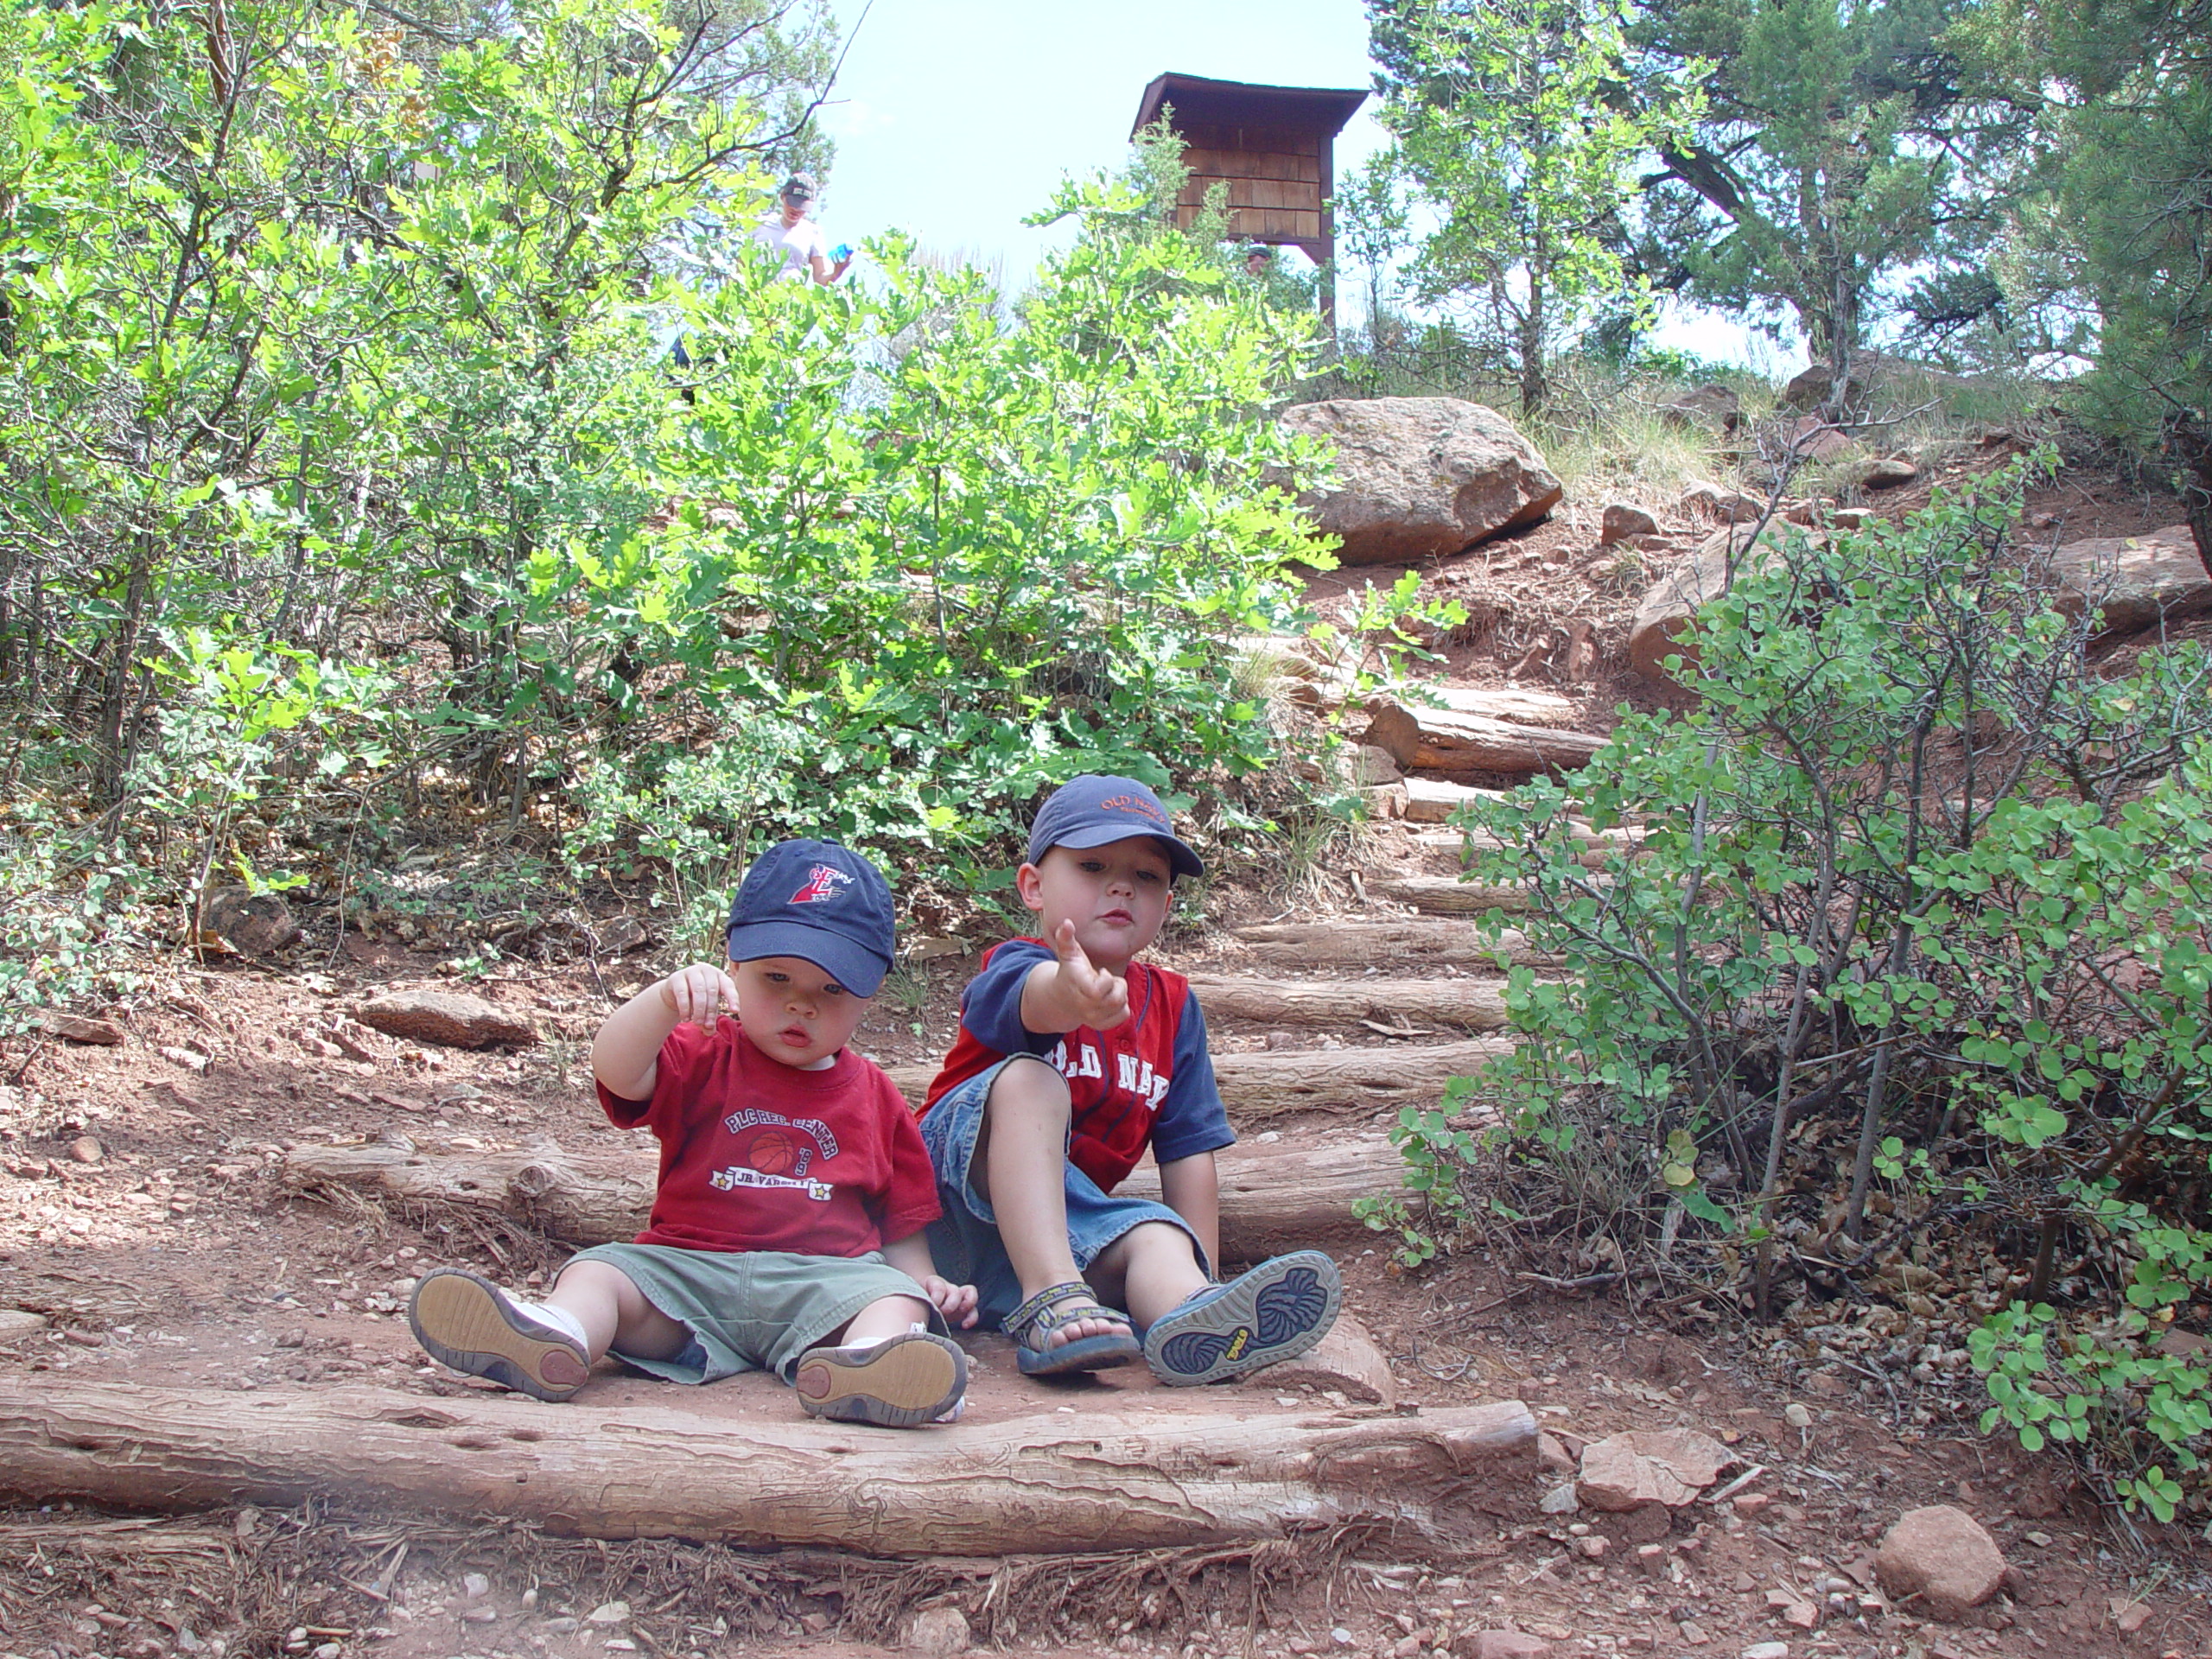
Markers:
1273,1196
1378,939
1449,896
1329,1080
1055,1482
1471,738
1473,1004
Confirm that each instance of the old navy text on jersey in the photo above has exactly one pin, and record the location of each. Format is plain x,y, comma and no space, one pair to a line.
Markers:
1132,1074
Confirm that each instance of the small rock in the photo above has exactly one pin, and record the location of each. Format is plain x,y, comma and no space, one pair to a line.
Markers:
1796,1416
937,1630
475,1586
1668,1466
255,922
19,1322
1941,1555
1623,520
1651,1561
1693,1633
1594,1546
1501,1644
1341,1636
1767,1650
1346,1359
445,1018
76,1028
1711,405
1750,1504
190,1059
609,1612
1888,473
1552,1457
935,946
1560,1500
87,1150
620,933
1802,1615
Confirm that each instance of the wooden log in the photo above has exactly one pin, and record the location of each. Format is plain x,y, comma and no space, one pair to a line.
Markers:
1365,940
1472,1004
1448,896
1368,1082
1056,1482
1446,740
1273,1196
1252,1086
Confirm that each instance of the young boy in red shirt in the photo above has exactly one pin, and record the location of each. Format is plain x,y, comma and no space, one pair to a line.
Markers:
788,1229
1073,1059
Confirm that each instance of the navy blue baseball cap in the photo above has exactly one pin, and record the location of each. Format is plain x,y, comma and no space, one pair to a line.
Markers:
821,903
1094,809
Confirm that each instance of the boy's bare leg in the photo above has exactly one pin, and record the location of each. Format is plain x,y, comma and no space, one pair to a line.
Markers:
613,1311
1150,1270
1021,1153
893,1316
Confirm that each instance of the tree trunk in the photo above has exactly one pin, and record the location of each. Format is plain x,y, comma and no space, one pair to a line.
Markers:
1473,1004
2191,439
1055,1482
1273,1196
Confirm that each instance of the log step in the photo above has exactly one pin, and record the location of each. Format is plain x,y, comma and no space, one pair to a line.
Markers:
1361,940
1472,737
1275,1196
1446,895
1341,1080
1056,1482
1470,1004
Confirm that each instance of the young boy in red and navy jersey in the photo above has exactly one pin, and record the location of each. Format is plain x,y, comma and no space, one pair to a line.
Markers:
1073,1057
787,1228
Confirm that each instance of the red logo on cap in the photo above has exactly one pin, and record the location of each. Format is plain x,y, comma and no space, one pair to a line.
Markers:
823,881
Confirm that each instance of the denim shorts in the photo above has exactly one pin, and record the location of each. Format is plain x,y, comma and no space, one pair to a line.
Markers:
750,1309
964,1240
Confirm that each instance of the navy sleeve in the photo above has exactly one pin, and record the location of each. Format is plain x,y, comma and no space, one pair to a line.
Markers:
1192,1119
991,1006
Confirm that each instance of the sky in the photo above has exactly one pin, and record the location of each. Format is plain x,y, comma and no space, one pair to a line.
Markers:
954,119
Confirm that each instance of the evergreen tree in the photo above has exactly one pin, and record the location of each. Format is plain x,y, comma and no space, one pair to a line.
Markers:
1841,148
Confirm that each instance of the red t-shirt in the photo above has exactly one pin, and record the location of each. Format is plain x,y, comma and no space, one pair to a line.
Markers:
756,1155
1149,1081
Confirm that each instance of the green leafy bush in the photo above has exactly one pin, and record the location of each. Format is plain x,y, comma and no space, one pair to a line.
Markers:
1910,866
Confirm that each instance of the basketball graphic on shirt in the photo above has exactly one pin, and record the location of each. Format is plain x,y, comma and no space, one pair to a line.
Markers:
773,1152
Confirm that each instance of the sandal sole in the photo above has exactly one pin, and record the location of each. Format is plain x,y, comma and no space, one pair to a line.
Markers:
901,1383
1275,1311
464,1322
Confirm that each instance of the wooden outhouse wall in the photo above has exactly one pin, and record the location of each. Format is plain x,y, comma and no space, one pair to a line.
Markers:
1273,175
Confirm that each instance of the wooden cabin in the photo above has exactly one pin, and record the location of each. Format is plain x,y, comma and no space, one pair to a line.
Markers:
1272,146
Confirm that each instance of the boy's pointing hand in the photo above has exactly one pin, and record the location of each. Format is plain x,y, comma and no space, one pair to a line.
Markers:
1100,998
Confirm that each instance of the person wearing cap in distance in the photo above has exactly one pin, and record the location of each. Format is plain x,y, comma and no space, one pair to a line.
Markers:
798,239
787,1227
1074,1058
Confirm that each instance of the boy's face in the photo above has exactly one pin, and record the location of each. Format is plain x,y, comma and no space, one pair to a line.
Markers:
793,1011
1116,896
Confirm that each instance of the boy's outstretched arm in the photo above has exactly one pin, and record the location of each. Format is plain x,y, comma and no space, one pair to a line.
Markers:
1191,1188
625,1055
910,1255
1072,991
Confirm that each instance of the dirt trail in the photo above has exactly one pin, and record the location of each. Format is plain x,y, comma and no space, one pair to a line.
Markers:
149,1236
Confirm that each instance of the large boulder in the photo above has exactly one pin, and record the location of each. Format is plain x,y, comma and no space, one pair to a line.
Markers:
1668,605
446,1019
1419,476
1900,379
2135,580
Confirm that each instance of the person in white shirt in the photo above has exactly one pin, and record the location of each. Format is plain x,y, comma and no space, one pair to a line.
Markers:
797,239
